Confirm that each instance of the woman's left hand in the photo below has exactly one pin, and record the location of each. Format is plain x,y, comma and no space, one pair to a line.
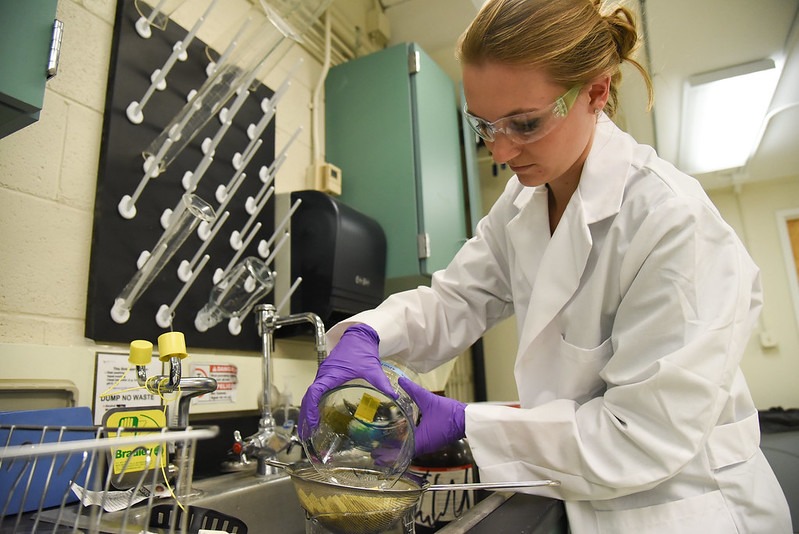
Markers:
443,420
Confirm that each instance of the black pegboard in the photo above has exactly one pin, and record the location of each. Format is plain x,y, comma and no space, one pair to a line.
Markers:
117,242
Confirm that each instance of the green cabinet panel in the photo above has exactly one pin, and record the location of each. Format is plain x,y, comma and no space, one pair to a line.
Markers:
392,128
26,31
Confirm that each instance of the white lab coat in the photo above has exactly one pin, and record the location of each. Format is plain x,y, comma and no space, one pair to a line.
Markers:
632,320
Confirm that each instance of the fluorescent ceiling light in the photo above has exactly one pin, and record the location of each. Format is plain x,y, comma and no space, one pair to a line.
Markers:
722,114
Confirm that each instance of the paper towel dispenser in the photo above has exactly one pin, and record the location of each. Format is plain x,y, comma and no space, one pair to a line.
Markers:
340,253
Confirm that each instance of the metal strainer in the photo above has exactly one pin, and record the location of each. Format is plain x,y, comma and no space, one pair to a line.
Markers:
351,506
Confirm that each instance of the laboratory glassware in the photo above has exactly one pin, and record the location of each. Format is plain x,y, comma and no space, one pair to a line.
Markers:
236,293
191,211
282,23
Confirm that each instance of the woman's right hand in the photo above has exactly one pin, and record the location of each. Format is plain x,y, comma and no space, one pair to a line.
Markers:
355,356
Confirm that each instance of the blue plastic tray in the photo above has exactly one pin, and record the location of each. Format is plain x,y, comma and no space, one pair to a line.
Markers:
15,474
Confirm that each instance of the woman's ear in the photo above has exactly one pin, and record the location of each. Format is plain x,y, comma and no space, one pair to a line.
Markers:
599,92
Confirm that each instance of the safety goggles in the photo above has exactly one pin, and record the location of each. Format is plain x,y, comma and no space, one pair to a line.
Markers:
525,127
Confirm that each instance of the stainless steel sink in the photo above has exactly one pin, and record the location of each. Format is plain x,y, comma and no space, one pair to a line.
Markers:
267,505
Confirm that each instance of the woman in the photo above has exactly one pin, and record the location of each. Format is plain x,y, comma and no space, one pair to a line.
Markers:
634,300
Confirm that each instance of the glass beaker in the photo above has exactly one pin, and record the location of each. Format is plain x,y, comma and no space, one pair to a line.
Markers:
404,525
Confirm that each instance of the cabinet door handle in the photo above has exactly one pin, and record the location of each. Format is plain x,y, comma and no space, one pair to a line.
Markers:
414,62
423,245
55,49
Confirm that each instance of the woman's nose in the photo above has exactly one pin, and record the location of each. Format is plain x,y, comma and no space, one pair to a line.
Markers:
502,148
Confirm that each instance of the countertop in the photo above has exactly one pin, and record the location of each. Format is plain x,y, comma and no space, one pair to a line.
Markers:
512,512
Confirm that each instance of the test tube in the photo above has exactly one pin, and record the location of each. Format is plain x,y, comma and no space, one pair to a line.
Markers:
209,144
236,293
184,220
207,103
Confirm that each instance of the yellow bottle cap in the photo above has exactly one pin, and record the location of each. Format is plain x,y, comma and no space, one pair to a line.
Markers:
141,352
171,345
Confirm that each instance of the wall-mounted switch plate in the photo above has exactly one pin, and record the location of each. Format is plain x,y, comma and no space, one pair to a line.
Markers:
327,178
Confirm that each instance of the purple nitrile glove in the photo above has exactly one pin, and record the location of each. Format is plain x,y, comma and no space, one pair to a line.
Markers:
442,421
355,356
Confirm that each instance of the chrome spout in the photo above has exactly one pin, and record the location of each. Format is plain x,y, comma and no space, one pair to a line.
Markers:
267,442
189,387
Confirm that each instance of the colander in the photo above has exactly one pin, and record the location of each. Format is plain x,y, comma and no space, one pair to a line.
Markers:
343,501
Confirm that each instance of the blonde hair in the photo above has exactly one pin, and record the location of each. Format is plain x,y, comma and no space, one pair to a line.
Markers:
571,39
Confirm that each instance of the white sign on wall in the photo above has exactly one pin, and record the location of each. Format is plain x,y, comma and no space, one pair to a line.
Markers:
116,386
227,380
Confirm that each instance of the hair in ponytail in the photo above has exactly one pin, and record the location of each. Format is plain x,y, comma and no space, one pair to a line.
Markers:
573,40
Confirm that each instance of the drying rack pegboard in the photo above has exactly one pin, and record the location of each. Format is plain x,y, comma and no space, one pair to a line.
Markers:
118,242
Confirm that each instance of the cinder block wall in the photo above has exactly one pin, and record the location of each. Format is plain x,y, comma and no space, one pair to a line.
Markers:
48,175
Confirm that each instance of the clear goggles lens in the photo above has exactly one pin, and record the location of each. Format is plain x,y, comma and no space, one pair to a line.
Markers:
525,127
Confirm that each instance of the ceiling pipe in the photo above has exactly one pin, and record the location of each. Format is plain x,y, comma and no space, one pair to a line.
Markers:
318,152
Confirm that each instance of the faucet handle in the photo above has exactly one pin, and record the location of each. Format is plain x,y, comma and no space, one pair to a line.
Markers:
238,443
236,457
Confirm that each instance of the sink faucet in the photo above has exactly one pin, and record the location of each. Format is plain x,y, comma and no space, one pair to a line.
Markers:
267,442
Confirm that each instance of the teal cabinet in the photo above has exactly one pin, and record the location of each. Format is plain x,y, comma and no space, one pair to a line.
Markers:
26,36
392,126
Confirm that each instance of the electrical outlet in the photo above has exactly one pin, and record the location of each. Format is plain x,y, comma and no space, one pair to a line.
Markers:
767,340
377,27
326,178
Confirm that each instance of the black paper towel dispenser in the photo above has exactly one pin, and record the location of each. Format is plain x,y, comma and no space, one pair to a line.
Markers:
340,253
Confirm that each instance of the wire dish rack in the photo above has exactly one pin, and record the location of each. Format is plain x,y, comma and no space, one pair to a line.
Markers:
91,479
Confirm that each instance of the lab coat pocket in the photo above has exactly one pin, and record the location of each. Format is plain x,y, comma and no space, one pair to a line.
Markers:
703,514
578,370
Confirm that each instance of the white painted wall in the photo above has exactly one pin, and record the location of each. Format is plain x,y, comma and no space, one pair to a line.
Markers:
771,372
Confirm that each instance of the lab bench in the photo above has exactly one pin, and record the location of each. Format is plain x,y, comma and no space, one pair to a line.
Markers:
511,512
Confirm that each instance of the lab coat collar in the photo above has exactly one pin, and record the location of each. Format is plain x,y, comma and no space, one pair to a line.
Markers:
605,171
565,255
604,174
558,275
525,195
